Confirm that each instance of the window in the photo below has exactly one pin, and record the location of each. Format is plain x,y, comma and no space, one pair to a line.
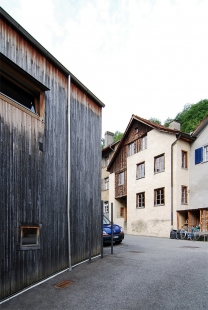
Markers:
201,154
198,155
141,170
140,198
184,195
106,161
131,149
21,89
106,183
159,196
159,163
142,143
184,159
206,153
121,178
105,207
30,237
136,130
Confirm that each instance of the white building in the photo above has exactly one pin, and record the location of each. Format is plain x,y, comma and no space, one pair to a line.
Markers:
150,180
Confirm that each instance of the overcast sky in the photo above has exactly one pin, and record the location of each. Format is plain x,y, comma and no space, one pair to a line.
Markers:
143,57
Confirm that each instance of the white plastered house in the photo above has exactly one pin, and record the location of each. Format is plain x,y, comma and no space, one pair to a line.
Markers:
151,178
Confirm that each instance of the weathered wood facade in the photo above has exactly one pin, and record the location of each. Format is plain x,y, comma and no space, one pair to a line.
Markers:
134,135
34,164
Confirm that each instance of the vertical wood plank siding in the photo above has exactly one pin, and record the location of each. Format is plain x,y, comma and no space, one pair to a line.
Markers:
33,183
85,175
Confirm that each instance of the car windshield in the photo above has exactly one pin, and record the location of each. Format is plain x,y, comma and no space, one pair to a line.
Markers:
106,220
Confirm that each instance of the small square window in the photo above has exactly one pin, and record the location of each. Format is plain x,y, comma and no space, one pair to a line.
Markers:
30,236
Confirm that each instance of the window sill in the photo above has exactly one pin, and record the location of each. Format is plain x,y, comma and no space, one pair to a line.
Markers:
156,172
140,207
159,205
20,106
140,178
29,247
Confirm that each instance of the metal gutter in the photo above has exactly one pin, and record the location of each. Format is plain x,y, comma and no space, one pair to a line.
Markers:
171,214
69,174
48,55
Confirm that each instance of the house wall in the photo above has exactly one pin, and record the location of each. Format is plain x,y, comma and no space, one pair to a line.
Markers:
33,183
199,175
152,220
85,202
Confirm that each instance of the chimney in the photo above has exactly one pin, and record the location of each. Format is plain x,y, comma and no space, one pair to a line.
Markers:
108,138
175,125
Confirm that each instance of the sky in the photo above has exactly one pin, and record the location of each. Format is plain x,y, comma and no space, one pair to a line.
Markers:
143,57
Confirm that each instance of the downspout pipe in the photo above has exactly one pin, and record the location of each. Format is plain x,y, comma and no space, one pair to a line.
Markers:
69,174
171,216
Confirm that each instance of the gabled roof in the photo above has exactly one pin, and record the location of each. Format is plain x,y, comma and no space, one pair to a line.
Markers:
200,127
110,147
152,125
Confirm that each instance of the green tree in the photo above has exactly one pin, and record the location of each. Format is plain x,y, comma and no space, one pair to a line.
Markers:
155,120
117,136
192,115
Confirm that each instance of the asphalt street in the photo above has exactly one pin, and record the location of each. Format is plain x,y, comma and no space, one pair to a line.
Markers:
142,273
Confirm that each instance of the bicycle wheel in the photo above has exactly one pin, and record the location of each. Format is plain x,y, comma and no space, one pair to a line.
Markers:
183,234
196,235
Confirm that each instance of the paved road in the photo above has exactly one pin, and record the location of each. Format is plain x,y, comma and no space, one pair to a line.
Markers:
143,273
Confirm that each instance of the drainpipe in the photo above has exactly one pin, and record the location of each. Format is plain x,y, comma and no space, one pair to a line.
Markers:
69,174
171,216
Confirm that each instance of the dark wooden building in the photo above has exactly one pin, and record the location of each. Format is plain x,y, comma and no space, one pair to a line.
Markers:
50,160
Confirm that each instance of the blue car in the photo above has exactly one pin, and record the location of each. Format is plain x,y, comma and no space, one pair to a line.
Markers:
118,234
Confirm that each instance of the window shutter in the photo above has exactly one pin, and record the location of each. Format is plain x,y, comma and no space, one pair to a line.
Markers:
198,155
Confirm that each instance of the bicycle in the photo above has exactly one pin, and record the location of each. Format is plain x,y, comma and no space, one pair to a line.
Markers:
193,234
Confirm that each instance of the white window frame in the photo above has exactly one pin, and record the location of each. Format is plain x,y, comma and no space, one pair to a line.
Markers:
141,170
144,143
121,178
106,161
184,194
205,153
140,200
184,159
105,207
106,186
159,194
131,149
159,163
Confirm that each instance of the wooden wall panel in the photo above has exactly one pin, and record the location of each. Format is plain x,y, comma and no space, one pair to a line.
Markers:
33,183
85,128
